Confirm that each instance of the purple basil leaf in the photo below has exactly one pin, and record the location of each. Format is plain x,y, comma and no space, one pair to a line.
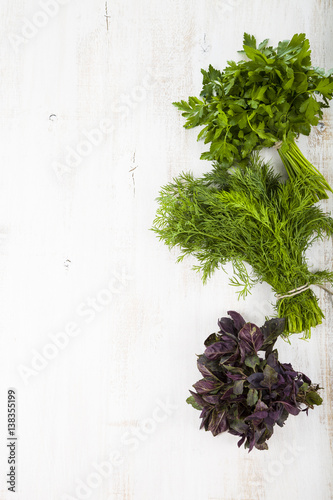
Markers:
261,406
270,377
215,351
205,415
271,330
237,319
293,410
241,441
225,346
283,417
234,376
251,442
250,340
306,379
209,368
230,341
288,370
261,446
258,415
238,387
255,380
201,363
211,399
269,422
252,397
276,414
233,358
260,435
211,339
205,412
226,325
218,423
198,399
227,393
252,361
205,385
224,359
273,361
234,369
239,425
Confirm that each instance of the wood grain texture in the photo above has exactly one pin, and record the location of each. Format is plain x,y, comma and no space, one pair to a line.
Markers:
88,135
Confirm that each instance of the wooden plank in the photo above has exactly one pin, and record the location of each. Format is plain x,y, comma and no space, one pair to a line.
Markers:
99,327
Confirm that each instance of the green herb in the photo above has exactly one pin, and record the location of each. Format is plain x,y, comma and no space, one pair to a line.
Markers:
271,98
249,216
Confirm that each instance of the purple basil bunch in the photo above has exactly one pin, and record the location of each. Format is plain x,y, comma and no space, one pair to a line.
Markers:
243,393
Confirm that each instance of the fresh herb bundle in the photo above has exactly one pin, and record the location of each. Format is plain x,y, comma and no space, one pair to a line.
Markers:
242,393
268,100
249,216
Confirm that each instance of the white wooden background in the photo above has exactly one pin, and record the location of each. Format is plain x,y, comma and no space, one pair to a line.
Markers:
99,326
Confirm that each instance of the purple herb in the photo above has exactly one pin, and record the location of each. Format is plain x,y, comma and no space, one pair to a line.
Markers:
243,393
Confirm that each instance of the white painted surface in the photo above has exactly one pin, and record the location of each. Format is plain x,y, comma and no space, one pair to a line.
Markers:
67,237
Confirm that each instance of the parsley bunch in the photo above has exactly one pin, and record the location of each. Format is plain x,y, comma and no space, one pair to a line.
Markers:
249,216
269,99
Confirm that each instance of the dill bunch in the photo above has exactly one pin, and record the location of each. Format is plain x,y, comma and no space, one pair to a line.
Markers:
248,215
